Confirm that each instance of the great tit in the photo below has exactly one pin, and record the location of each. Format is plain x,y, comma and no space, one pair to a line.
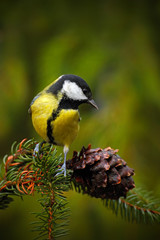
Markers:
54,111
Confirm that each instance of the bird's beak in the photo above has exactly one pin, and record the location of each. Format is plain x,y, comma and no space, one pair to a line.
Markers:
92,102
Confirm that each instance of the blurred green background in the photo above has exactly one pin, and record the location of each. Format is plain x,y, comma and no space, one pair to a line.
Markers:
115,47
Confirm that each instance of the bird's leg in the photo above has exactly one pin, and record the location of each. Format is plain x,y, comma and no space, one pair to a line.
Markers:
63,168
65,150
37,148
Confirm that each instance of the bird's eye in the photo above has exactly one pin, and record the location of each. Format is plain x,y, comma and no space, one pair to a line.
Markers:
85,90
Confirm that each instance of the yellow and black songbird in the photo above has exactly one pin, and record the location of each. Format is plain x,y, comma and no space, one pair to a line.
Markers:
54,111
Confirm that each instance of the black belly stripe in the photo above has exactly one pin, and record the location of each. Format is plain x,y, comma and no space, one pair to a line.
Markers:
49,131
49,127
64,104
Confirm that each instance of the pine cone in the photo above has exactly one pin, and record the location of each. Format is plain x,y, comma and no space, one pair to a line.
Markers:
101,173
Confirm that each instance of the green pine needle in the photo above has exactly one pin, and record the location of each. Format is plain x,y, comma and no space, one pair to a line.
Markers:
140,207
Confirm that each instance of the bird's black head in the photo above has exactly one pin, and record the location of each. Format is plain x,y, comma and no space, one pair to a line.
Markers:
73,88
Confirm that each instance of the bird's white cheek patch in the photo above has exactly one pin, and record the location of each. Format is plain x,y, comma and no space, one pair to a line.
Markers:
73,91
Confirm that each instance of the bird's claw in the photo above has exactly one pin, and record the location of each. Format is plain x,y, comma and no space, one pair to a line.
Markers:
36,150
62,170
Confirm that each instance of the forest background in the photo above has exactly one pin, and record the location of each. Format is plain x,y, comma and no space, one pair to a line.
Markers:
115,47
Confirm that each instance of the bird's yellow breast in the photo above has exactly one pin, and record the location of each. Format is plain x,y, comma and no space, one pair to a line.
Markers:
41,110
65,127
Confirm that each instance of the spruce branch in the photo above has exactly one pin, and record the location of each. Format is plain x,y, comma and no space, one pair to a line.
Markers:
26,173
100,173
139,206
55,212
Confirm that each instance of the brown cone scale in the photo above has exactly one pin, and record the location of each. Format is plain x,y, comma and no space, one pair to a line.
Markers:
101,173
